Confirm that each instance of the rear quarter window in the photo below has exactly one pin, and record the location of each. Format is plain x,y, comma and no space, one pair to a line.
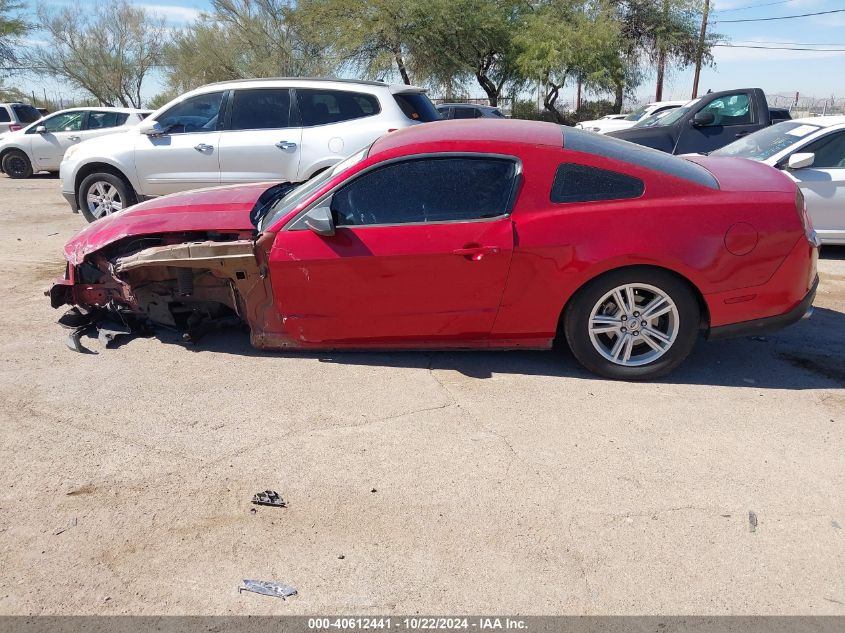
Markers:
417,107
617,149
321,107
4,115
26,113
582,183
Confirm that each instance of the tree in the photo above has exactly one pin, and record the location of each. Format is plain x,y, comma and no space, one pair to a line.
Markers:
108,51
10,29
370,37
566,39
240,39
460,39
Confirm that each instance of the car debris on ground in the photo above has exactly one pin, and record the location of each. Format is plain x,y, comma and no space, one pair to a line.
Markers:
268,588
269,498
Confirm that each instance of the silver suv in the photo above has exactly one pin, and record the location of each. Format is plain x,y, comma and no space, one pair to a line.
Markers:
14,116
237,132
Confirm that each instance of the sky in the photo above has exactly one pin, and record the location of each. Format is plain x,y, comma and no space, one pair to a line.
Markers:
818,73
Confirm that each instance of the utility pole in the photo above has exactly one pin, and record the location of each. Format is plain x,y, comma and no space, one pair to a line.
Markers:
699,53
661,54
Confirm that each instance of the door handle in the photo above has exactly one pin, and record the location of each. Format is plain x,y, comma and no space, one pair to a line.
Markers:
73,138
740,134
202,147
475,253
286,145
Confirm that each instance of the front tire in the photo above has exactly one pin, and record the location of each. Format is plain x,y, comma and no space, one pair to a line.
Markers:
17,165
102,194
633,324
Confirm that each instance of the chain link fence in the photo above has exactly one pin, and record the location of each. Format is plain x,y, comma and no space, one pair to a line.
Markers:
805,106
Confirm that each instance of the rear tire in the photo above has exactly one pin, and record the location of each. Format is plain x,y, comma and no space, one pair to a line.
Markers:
17,165
102,194
633,324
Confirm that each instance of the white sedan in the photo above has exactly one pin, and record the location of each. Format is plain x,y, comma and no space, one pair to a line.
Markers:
812,152
41,145
623,122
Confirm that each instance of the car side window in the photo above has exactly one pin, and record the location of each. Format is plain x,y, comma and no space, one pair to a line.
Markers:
730,109
581,183
4,115
829,151
428,190
101,120
261,109
67,122
321,107
466,113
195,114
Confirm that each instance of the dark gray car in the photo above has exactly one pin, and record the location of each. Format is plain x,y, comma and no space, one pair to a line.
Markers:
468,111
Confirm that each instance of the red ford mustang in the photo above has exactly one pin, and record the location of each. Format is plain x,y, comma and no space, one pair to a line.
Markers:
466,234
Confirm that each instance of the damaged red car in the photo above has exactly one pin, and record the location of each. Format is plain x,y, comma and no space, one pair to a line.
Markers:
466,235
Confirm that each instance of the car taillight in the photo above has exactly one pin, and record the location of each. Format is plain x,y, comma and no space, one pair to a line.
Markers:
806,222
14,127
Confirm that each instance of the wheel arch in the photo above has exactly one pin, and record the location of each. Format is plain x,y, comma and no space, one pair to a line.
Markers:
702,303
98,166
13,148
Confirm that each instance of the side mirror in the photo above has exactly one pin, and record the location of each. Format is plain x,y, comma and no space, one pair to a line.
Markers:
800,160
151,128
41,129
320,220
703,119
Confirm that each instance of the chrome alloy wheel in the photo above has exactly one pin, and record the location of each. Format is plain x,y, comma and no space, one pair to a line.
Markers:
634,324
103,199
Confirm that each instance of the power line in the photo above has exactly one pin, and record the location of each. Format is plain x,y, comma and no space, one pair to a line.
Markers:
789,43
753,6
783,17
782,48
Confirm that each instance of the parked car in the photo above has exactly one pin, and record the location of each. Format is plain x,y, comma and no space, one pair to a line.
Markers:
812,153
605,124
41,145
624,252
468,111
15,116
237,132
704,124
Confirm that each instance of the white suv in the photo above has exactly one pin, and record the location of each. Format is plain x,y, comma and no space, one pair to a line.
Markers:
14,116
41,145
237,132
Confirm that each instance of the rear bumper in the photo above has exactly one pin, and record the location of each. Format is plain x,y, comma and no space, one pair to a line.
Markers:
768,324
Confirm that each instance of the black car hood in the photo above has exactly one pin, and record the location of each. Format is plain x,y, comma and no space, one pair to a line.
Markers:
661,138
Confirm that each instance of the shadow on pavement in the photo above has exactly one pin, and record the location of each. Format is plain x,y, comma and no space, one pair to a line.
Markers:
803,356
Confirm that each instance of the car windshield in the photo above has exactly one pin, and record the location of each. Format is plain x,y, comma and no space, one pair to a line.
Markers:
651,121
637,114
674,115
769,141
287,203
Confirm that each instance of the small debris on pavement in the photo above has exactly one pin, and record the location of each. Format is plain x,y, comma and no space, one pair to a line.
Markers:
269,498
752,521
268,588
341,557
66,528
373,490
835,525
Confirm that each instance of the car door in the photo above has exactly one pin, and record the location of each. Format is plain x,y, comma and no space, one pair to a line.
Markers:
186,155
258,142
734,116
335,124
421,252
823,184
60,132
